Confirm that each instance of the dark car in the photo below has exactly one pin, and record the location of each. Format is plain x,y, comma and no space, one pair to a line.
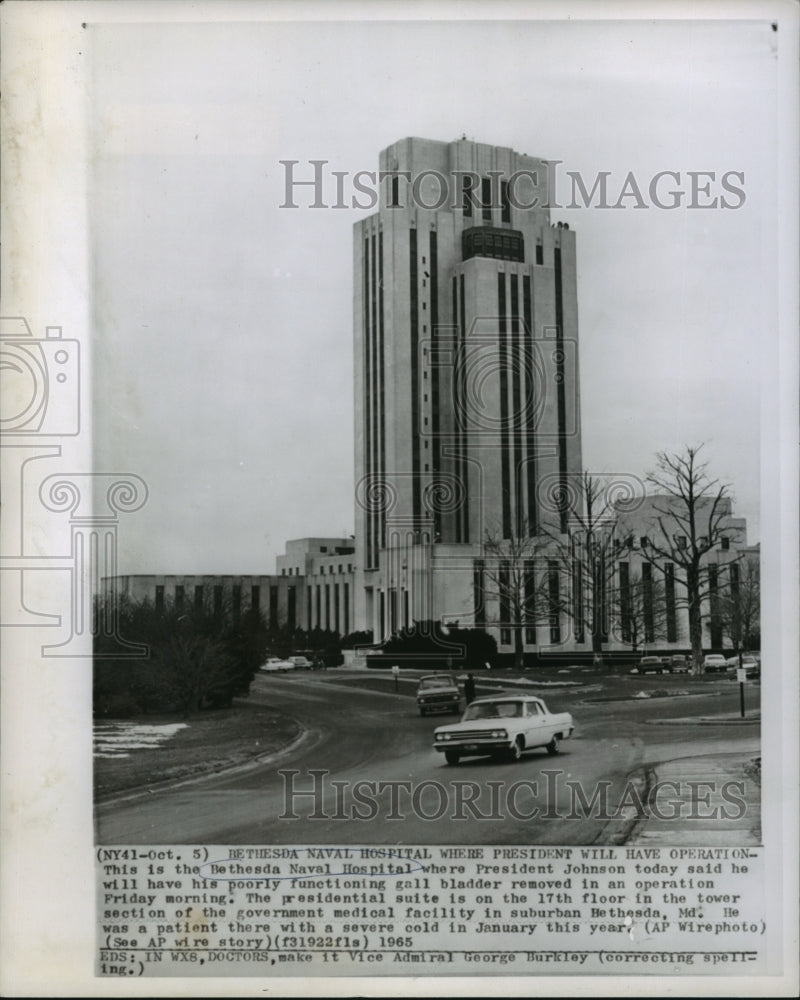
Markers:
438,693
654,665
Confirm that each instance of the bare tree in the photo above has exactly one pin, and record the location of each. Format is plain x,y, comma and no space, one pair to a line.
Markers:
691,521
585,554
640,611
510,580
196,667
739,606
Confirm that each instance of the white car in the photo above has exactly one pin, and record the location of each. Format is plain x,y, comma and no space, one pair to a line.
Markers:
714,663
507,725
275,663
301,662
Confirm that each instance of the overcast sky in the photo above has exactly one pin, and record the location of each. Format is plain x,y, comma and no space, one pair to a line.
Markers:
222,341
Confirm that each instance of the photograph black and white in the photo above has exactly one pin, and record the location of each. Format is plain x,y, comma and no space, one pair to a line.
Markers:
405,505
468,409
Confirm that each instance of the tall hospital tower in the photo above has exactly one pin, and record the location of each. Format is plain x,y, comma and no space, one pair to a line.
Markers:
467,414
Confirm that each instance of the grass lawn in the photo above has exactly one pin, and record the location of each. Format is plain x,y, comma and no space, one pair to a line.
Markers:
210,741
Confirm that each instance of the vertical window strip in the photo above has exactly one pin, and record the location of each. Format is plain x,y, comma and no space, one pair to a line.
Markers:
456,384
505,202
478,593
554,600
367,403
373,308
669,596
530,435
530,602
505,485
381,391
647,602
561,391
464,440
516,403
414,348
577,597
435,445
486,198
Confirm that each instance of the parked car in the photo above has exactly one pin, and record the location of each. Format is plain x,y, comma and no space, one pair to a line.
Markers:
714,663
301,662
680,664
750,662
275,663
438,693
654,665
506,725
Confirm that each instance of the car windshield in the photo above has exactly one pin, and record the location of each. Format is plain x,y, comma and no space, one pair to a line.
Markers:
435,682
493,710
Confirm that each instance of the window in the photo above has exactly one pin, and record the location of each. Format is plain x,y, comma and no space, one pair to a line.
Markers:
554,600
725,542
159,598
255,597
669,598
467,184
680,541
647,603
504,201
198,597
217,601
486,198
273,606
499,244
179,599
323,548
237,600
624,602
644,541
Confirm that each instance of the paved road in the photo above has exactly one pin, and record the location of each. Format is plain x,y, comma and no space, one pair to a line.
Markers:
367,736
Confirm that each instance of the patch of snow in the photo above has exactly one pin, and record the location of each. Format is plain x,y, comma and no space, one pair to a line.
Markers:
112,739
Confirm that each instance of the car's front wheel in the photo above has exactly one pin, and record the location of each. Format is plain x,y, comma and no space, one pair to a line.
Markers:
552,746
452,756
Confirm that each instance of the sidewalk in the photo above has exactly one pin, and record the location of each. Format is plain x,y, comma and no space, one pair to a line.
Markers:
713,799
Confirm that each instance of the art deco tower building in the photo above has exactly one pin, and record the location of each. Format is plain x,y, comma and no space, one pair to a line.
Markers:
466,374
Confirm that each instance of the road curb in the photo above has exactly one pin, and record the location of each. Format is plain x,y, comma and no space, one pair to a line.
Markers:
618,831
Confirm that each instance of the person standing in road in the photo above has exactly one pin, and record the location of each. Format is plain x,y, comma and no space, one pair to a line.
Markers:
469,688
